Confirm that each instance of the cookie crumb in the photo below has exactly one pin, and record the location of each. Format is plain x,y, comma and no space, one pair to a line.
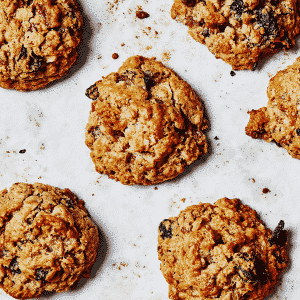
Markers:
22,151
156,188
253,180
266,190
232,73
115,56
141,14
122,45
100,56
182,200
216,138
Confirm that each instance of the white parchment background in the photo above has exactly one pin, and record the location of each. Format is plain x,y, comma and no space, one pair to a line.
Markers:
50,125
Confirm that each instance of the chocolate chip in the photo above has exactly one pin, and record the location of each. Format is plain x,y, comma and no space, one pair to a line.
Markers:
268,22
254,66
165,233
279,236
205,32
142,14
23,53
35,62
216,138
151,80
40,275
69,203
22,151
232,73
238,7
298,131
92,92
14,266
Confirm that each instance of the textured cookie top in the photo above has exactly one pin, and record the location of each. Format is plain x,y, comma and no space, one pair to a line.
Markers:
47,240
146,125
240,31
38,40
221,251
280,121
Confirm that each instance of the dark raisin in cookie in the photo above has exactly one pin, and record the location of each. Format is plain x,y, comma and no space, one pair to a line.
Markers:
279,121
38,41
146,124
221,251
47,240
241,32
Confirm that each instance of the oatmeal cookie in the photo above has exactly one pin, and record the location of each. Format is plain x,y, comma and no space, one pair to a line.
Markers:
47,240
146,124
221,251
38,41
240,32
280,121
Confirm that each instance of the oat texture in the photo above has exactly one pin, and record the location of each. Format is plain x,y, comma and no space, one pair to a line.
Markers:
38,41
221,251
146,124
47,240
280,121
241,32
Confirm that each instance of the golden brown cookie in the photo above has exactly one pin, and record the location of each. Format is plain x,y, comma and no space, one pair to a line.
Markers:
221,251
146,124
280,121
38,41
241,32
47,240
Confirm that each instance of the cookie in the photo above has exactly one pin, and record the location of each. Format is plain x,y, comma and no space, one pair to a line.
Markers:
241,32
47,240
146,123
279,121
38,41
221,251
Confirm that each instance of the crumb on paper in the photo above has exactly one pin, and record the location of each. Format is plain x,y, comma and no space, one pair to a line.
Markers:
122,45
100,56
115,56
216,138
266,190
22,151
232,73
156,188
141,14
182,200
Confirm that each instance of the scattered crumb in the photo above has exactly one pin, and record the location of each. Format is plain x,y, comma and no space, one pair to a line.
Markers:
148,47
99,56
166,56
115,56
122,45
266,190
216,138
253,180
141,14
7,152
232,73
39,177
182,200
156,188
42,147
93,194
22,151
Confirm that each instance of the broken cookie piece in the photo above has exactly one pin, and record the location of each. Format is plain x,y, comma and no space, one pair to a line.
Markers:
221,251
146,123
279,121
240,32
47,240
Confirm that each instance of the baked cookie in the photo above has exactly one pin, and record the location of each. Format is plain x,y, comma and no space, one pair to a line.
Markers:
38,41
240,32
47,240
221,251
146,124
280,121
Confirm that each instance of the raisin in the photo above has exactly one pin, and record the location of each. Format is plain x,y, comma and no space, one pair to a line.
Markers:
298,131
189,2
238,7
92,92
35,62
14,266
23,53
142,14
165,233
40,275
279,236
151,80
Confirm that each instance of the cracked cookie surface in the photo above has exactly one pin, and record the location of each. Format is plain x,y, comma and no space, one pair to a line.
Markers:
280,120
240,32
47,240
146,124
38,41
221,251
